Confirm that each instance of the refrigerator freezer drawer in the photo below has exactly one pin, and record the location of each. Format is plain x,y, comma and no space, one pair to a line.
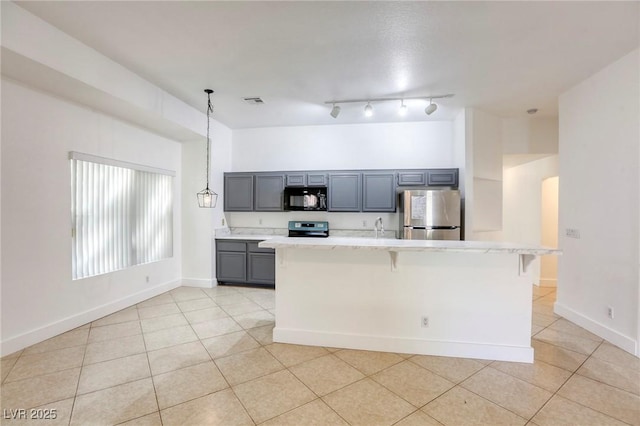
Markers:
431,234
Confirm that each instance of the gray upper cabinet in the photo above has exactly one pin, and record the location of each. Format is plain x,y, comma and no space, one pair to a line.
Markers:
412,178
344,192
442,177
269,192
316,179
296,179
348,190
307,179
378,192
238,192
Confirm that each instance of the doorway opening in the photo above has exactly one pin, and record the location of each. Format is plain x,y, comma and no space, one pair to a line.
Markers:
549,231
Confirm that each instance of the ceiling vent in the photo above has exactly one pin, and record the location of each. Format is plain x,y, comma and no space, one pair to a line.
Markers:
254,101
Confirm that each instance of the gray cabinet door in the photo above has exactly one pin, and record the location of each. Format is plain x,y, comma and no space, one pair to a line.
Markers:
269,192
262,268
442,177
412,178
378,192
296,179
316,179
344,192
238,192
231,266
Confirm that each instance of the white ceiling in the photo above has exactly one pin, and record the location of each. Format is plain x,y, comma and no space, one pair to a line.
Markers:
504,57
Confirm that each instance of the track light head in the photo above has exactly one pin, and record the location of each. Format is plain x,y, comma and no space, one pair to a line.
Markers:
403,108
335,111
368,110
431,108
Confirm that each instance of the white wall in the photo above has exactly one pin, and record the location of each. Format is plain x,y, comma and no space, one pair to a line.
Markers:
522,204
530,135
346,146
39,299
599,196
549,264
483,175
428,144
198,224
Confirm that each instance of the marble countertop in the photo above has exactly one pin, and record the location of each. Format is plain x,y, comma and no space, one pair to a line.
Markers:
395,245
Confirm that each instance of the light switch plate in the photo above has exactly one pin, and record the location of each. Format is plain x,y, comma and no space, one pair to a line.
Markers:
572,233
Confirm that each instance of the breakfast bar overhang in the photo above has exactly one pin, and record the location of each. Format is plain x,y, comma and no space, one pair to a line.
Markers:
467,299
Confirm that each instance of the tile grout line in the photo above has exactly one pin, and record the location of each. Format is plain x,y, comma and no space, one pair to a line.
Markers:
216,365
563,384
487,399
153,383
84,355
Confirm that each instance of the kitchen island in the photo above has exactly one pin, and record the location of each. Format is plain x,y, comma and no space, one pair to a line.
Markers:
450,298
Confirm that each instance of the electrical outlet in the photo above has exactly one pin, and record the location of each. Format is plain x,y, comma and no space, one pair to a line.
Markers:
572,233
424,321
364,223
147,278
223,221
610,312
260,221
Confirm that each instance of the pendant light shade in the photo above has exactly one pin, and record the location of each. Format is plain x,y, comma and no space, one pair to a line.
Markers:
207,198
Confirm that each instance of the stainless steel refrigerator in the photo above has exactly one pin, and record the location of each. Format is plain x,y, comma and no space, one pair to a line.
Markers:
430,215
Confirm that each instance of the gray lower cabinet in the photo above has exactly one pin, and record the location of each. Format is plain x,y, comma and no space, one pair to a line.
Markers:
344,192
238,192
269,192
378,192
243,262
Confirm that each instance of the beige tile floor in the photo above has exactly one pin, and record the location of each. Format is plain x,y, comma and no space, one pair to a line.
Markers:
194,356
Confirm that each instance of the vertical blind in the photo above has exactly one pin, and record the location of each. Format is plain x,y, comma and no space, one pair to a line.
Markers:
122,215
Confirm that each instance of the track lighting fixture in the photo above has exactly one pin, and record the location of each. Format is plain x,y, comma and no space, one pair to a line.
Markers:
431,108
403,108
368,109
335,111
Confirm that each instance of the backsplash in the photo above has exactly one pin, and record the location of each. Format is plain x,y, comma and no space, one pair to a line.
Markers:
351,222
354,233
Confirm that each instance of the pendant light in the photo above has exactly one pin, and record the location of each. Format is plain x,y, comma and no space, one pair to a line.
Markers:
207,198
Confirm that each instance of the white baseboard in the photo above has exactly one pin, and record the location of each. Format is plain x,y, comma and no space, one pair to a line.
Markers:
199,282
610,335
404,345
29,338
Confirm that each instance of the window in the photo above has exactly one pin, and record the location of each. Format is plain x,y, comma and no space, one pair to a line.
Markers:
122,215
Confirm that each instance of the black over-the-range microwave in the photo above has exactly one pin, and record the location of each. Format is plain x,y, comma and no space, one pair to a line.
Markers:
308,199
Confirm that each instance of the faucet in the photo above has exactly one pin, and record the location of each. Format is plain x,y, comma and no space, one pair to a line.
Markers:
376,229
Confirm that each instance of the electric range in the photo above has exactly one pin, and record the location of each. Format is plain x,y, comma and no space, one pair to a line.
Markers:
308,229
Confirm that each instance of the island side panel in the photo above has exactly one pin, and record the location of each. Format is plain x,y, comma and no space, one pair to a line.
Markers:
478,305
